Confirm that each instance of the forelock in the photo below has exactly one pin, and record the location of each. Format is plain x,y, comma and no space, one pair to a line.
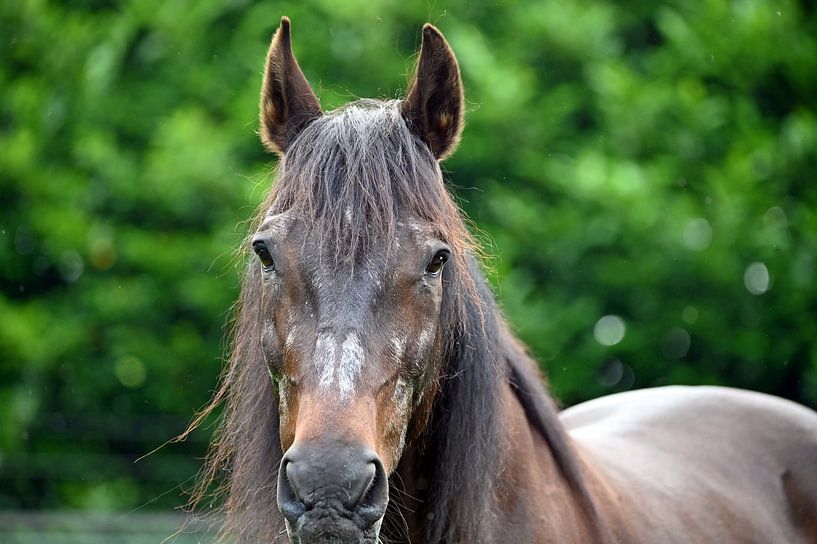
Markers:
353,173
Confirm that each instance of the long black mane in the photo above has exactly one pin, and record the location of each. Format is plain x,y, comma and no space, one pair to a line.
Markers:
363,162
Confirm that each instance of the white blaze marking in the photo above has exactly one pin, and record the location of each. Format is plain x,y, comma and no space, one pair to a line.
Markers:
325,349
351,362
339,365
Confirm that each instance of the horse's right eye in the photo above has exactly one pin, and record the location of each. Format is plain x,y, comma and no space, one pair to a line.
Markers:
262,251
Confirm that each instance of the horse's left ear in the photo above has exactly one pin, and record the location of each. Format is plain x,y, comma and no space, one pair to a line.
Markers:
434,106
287,101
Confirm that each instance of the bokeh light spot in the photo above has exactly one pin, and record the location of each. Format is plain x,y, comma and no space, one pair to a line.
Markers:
130,371
609,330
71,266
698,234
756,278
775,216
102,253
611,373
24,240
676,343
690,314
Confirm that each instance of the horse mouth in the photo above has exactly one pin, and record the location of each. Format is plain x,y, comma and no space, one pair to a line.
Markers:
329,526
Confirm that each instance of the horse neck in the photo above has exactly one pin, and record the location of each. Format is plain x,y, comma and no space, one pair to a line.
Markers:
539,494
561,493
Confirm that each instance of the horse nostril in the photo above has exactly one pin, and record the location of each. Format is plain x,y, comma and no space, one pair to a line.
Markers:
361,480
289,502
372,505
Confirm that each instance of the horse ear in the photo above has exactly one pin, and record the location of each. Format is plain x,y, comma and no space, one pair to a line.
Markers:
434,107
287,101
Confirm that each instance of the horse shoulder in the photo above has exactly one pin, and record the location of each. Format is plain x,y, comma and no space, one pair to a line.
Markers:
723,464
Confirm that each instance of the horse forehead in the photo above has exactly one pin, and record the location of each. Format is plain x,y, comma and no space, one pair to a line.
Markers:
414,228
373,273
350,283
279,223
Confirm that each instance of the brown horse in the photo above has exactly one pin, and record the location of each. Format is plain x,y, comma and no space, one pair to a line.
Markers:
375,393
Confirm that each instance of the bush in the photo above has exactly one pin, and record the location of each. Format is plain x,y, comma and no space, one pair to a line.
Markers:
643,176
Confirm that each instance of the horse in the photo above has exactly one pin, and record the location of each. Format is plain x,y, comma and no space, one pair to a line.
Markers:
375,393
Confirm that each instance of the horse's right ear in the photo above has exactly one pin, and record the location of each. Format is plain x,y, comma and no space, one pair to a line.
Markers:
287,101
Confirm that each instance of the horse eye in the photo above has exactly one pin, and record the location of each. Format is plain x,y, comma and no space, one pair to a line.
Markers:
264,255
435,266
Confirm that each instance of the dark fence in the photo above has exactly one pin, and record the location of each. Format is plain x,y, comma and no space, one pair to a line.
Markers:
80,528
109,457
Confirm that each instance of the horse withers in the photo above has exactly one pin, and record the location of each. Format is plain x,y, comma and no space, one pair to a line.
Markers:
374,392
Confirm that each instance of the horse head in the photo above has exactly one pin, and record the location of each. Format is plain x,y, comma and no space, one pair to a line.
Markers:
356,270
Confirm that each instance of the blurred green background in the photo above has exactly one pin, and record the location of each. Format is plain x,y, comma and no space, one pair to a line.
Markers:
642,173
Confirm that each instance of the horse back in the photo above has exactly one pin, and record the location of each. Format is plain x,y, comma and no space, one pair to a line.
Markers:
701,464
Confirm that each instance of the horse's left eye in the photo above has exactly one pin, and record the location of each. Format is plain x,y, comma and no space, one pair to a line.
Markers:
435,266
264,255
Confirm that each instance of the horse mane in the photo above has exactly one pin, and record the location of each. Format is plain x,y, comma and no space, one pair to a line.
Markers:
362,161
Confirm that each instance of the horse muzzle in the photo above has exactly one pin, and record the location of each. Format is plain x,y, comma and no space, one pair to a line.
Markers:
332,493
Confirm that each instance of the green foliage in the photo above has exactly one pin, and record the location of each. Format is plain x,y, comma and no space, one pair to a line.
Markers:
655,164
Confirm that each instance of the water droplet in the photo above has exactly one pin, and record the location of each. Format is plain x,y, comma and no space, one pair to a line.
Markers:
609,330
